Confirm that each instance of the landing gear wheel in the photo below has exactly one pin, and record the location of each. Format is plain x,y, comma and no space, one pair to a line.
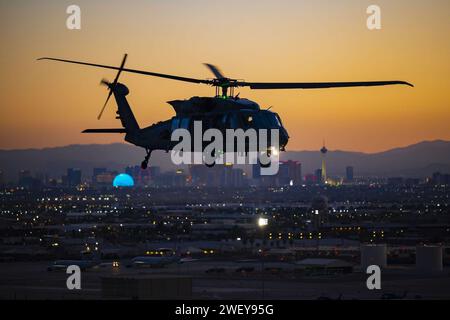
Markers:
144,165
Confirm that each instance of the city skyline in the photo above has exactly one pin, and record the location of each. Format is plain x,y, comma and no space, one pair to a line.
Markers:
304,41
417,160
121,142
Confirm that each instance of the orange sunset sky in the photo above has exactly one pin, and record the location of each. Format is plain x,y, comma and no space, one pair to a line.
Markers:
45,104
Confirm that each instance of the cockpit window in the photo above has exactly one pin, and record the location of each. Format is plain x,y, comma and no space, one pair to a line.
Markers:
273,120
278,120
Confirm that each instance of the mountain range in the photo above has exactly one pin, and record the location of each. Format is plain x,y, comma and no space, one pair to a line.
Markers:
418,160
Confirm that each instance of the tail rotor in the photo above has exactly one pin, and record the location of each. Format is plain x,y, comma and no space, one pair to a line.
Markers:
112,85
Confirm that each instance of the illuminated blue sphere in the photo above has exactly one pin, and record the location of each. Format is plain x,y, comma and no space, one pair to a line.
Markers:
123,180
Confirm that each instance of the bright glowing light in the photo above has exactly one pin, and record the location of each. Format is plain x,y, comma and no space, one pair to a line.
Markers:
263,222
123,180
275,151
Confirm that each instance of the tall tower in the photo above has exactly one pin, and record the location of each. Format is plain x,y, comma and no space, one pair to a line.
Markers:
324,151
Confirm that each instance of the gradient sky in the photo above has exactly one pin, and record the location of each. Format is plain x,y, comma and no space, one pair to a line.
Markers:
47,104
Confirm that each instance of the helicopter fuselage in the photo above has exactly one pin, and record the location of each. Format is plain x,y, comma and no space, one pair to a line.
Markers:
213,113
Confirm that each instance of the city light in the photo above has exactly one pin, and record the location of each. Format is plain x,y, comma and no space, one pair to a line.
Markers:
262,222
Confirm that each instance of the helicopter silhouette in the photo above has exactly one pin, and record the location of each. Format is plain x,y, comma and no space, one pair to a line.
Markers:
223,111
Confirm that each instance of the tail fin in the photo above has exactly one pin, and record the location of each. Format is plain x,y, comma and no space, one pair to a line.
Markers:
124,112
126,116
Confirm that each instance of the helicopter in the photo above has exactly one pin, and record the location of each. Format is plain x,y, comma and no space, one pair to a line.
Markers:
223,111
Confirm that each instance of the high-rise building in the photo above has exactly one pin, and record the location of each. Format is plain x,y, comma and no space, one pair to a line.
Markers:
239,178
232,177
439,178
318,176
96,173
324,151
2,179
310,178
26,180
105,179
171,179
290,173
226,176
73,177
221,175
349,174
199,175
180,178
154,172
140,177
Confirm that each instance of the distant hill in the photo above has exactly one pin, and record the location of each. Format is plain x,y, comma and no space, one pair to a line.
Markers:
418,160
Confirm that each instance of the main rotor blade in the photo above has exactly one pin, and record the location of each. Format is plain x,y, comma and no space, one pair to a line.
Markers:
121,69
215,70
252,85
317,85
148,73
104,106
